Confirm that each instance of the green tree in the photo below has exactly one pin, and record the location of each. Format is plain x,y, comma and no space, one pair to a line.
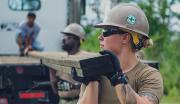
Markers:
166,49
91,43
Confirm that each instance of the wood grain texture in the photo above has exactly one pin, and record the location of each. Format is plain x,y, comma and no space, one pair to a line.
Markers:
57,60
18,60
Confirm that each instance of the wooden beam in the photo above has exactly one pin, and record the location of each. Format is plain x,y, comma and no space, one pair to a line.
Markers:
18,60
59,67
61,58
90,64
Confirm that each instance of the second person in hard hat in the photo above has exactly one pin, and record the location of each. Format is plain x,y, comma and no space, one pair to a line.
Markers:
125,31
68,89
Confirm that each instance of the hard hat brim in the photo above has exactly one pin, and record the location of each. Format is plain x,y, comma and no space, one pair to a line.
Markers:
68,33
104,25
65,32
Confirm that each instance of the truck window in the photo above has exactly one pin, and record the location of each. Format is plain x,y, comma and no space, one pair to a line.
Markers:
24,5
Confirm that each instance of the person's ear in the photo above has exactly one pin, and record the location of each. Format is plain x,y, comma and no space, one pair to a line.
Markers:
126,38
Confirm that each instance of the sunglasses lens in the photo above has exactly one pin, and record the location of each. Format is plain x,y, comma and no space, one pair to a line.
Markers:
112,31
106,33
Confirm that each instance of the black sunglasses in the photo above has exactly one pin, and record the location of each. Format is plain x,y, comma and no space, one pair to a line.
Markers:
112,31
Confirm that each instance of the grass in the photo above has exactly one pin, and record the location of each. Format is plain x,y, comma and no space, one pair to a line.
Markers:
170,100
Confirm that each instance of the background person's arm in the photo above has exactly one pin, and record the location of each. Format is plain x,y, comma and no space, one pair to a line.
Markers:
34,34
53,80
20,32
27,41
19,41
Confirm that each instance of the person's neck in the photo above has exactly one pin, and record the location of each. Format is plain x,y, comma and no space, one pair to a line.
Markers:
128,60
73,51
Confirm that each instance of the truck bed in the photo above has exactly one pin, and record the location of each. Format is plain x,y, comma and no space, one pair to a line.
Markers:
18,60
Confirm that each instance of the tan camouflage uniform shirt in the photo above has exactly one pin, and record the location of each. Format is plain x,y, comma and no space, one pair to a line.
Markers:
67,77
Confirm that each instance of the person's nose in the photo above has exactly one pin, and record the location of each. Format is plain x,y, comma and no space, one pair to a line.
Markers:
100,37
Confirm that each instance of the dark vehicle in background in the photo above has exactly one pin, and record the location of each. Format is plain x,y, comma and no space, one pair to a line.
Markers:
24,80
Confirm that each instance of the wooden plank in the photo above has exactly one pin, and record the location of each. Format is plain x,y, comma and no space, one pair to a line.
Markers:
46,54
59,67
57,60
90,64
63,59
18,60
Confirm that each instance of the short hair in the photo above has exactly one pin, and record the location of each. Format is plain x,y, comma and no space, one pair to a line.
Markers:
31,14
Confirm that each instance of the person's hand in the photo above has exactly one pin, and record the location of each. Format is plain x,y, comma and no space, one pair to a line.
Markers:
115,62
29,48
115,75
84,80
26,51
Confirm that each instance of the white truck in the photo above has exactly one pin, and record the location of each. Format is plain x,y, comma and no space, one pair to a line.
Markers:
51,17
20,76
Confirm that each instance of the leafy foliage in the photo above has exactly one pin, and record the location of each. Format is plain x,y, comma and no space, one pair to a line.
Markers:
91,43
166,50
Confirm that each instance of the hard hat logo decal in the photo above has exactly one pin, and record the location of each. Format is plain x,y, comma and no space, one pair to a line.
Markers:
131,19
